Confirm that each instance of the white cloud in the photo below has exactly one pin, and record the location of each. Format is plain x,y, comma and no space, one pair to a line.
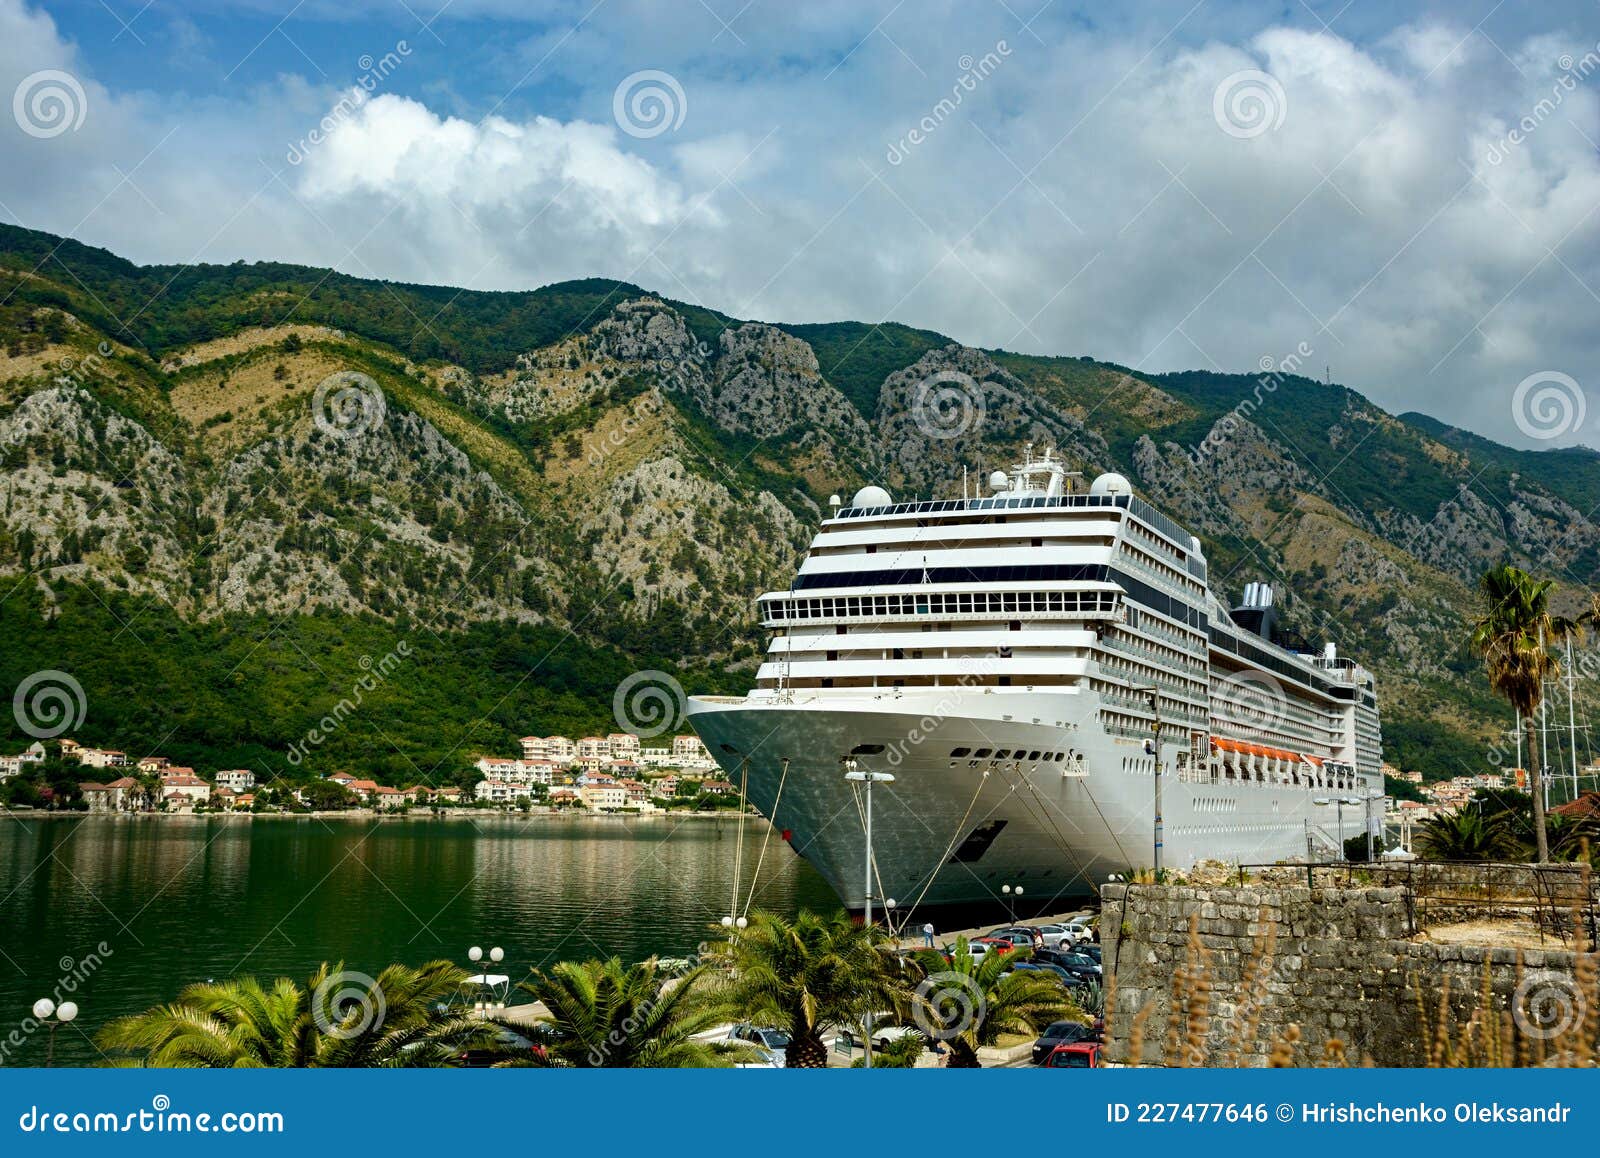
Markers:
1082,199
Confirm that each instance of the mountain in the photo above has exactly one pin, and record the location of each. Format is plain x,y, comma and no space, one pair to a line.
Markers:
223,486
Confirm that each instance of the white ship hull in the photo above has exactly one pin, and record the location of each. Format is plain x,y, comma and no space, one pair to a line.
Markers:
1058,829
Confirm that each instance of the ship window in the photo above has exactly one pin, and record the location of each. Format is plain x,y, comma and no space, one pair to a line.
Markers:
981,753
872,548
1033,755
1038,542
899,653
833,655
965,603
1005,681
1014,625
841,629
1004,652
956,752
1009,602
866,750
1002,753
1057,756
826,682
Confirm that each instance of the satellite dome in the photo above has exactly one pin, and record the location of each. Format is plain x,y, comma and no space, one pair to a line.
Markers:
1194,545
1111,483
998,481
871,497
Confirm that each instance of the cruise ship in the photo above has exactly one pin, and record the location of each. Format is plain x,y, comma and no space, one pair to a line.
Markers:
1044,671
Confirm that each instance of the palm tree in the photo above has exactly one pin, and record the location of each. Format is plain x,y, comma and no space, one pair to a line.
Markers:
336,1019
970,1004
805,975
604,1014
1468,834
1513,635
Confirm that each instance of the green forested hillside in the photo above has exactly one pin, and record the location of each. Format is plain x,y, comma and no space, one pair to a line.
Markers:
590,473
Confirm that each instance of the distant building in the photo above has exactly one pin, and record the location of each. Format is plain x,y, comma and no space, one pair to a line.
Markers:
498,791
385,797
12,765
185,791
99,797
102,758
153,764
593,748
689,748
128,795
238,779
556,748
604,797
623,746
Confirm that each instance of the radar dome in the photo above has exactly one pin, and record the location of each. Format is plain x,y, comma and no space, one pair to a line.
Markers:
998,481
1111,484
871,497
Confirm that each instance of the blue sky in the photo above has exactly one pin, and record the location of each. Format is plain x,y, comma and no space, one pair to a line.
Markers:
1167,185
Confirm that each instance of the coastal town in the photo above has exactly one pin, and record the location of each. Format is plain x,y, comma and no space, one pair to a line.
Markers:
604,774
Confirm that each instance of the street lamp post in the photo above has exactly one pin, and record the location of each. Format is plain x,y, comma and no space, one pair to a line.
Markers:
1013,893
854,774
55,1016
1153,748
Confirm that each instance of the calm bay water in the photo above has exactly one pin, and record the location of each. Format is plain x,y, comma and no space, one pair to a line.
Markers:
182,899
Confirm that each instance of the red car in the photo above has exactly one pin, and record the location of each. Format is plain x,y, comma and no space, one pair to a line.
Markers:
1079,1055
994,944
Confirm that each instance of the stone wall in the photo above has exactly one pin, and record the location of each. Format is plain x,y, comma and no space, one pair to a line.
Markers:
1338,964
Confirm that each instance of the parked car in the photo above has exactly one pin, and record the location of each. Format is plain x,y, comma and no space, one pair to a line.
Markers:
1081,967
975,948
1055,971
1059,1033
884,1031
1028,936
1079,1055
1091,950
1080,929
997,944
1052,934
765,1038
